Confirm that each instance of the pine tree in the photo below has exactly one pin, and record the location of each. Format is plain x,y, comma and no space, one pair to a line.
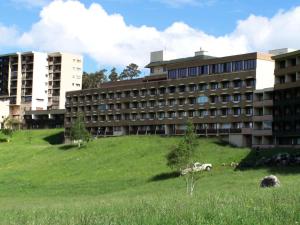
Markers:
113,76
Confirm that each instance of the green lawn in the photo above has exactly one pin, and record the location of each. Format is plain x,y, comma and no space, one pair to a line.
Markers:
125,180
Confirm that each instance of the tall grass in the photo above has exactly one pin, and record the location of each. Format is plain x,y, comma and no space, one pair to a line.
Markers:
125,180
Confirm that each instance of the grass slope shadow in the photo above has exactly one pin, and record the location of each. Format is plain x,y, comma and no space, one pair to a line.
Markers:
55,139
253,159
165,176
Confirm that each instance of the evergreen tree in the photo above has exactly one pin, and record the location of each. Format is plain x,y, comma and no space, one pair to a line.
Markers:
131,71
113,76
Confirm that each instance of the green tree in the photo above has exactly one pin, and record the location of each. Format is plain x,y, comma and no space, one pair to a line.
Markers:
181,157
78,131
131,71
10,125
93,80
113,76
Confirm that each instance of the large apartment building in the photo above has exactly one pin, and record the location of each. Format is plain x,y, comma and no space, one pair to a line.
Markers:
33,81
287,99
215,93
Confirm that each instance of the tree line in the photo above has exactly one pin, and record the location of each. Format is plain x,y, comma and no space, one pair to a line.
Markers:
94,80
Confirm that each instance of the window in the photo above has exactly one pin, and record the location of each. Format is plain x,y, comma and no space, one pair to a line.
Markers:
203,112
161,102
152,103
249,64
182,73
237,66
214,68
192,71
281,64
172,114
202,87
236,97
161,115
192,113
181,101
192,100
225,84
250,83
143,116
181,114
102,107
192,87
133,116
249,111
143,104
152,91
172,74
162,90
202,70
213,112
181,88
134,105
172,89
214,86
249,96
225,98
202,99
224,112
172,102
236,111
213,99
143,92
227,67
237,83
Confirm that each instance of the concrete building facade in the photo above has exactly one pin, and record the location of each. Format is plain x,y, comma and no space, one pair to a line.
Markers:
215,93
287,99
33,81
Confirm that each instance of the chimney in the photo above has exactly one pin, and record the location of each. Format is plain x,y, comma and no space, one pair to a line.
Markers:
201,52
157,56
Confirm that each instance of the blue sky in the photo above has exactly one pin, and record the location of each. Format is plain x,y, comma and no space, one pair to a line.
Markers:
211,24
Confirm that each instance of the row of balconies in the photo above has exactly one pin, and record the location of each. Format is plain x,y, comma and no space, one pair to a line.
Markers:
213,98
286,63
288,78
163,90
235,112
153,104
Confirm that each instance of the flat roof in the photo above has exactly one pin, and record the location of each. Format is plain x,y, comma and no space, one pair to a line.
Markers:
259,55
297,52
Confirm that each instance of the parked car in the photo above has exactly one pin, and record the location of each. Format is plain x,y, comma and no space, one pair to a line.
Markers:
197,167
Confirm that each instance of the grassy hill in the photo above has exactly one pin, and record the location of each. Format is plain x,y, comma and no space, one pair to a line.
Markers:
125,180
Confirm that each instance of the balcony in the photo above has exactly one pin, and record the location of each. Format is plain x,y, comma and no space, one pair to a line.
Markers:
263,118
262,132
262,103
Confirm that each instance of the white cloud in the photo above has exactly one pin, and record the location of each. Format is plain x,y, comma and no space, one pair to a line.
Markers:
73,27
9,35
178,3
31,3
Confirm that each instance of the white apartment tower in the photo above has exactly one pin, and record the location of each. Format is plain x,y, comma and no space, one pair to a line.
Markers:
38,81
65,74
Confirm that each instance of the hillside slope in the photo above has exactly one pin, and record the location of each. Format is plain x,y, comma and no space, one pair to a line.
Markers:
127,178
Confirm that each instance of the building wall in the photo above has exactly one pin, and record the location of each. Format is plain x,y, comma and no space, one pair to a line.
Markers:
71,75
264,74
40,78
4,111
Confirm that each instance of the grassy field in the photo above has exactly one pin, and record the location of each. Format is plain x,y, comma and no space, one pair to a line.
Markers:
125,180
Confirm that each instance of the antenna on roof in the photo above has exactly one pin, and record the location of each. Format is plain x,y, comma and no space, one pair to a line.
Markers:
201,52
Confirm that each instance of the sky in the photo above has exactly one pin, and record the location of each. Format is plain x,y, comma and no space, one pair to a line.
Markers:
114,33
